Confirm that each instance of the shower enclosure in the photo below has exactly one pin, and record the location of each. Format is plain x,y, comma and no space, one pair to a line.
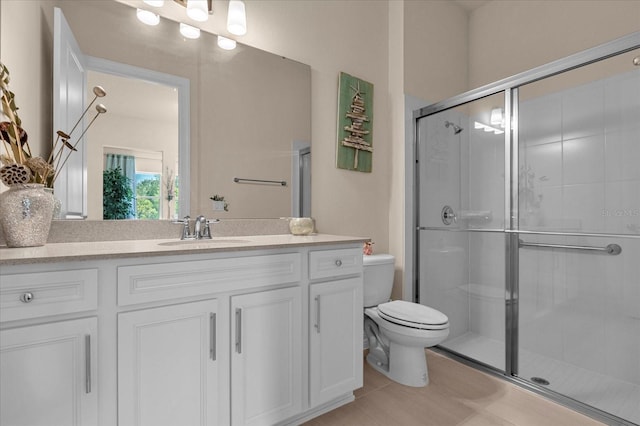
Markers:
528,227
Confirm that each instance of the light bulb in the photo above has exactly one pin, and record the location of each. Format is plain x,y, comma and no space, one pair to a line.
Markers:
237,18
198,10
189,32
226,43
155,3
147,17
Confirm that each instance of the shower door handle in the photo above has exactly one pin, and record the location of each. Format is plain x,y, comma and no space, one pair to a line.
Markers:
612,249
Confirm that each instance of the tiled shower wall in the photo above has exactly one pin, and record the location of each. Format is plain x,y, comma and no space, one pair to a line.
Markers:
580,150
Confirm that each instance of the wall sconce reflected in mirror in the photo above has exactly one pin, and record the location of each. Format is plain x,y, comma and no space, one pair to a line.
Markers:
147,17
189,32
198,10
155,3
226,43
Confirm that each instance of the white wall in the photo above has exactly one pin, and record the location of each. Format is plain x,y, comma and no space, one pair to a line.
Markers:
508,37
23,49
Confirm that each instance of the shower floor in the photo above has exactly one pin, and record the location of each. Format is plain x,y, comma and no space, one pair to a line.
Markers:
609,394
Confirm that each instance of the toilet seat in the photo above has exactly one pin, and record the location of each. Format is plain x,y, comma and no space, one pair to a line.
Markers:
413,315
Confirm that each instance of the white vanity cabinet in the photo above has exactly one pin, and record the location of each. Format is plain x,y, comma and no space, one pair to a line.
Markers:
168,365
48,365
266,360
175,362
262,336
335,325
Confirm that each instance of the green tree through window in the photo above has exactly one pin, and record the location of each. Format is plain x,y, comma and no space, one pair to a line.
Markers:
148,195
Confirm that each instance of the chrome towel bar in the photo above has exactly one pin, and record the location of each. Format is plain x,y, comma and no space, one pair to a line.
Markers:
279,182
612,249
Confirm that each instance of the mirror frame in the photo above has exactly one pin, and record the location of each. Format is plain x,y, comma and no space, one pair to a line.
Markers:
182,86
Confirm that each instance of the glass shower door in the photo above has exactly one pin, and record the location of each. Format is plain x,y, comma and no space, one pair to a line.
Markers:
579,198
461,159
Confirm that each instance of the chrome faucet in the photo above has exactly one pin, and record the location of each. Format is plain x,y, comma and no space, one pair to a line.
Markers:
198,226
201,228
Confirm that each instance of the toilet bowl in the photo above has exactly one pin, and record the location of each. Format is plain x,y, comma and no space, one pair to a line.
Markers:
398,331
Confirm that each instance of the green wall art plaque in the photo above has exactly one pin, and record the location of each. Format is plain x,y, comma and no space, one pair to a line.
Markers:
355,124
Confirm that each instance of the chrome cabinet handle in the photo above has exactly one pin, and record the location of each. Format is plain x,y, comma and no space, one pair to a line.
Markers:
26,297
317,325
212,343
239,330
338,263
87,362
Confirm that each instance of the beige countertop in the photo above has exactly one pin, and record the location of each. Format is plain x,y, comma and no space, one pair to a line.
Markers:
58,252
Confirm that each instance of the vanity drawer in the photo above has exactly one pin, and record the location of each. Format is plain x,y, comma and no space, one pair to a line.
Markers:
334,263
167,281
33,295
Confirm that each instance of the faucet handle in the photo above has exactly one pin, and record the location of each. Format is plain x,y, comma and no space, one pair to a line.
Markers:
185,227
206,232
181,221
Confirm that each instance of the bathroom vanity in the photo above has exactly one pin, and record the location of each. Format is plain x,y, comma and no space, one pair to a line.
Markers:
244,331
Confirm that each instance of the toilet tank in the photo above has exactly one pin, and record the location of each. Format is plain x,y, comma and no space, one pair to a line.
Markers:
378,278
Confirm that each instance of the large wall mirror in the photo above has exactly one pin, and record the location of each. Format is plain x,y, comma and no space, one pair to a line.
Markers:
249,118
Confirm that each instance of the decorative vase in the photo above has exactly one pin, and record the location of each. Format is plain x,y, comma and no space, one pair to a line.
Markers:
57,204
26,211
301,225
218,205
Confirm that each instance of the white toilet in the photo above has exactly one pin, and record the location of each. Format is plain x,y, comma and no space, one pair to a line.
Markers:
397,331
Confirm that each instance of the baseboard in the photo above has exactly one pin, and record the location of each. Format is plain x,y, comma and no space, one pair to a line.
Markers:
319,410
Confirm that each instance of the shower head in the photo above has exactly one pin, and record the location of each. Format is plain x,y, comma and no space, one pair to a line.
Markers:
456,129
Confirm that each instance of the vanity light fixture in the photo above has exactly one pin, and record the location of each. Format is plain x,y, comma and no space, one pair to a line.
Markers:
189,32
237,18
155,3
198,10
147,17
226,43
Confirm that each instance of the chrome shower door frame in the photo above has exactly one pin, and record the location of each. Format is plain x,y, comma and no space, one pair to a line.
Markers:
510,88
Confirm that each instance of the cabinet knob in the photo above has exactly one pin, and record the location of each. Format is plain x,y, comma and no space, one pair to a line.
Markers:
26,297
338,263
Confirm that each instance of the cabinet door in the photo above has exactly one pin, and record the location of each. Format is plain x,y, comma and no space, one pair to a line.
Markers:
48,374
335,337
167,368
266,361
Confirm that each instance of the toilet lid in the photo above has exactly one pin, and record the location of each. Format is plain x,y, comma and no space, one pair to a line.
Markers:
413,315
